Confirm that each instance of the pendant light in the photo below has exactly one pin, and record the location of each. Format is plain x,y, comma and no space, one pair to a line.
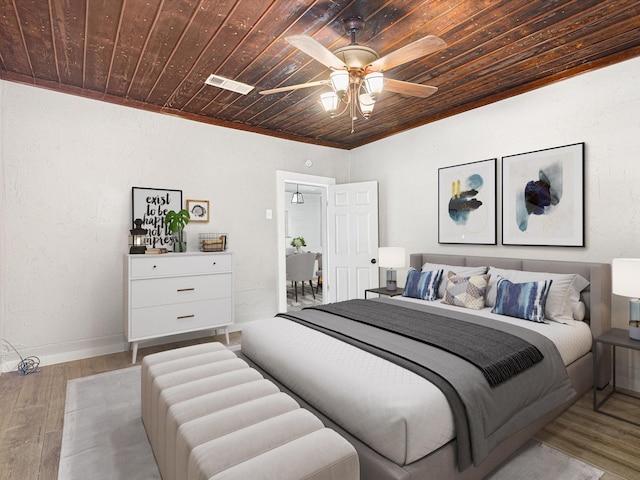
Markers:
297,197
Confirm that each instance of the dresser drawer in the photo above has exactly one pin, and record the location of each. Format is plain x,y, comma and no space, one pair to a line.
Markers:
179,318
145,266
164,291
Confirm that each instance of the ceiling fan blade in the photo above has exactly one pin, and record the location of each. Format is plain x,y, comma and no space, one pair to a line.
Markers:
294,87
408,88
417,49
317,51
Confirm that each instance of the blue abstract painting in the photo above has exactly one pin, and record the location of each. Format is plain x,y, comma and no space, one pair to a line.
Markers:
539,196
467,203
543,197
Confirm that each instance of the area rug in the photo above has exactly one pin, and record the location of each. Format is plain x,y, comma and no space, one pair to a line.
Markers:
104,439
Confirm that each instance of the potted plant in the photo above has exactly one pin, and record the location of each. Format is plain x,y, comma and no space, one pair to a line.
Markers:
175,222
298,242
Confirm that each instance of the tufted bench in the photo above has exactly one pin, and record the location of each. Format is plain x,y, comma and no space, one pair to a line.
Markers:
208,415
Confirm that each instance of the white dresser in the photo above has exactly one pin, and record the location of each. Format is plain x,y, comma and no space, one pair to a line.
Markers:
176,293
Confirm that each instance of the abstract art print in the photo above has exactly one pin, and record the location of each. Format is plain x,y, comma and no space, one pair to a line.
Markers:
467,203
543,197
198,210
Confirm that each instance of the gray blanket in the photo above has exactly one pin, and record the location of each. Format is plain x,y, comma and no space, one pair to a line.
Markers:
484,416
498,355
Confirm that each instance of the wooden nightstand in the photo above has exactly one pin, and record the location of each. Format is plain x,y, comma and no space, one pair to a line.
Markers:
616,337
384,291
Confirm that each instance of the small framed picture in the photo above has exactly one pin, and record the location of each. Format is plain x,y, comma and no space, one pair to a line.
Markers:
198,210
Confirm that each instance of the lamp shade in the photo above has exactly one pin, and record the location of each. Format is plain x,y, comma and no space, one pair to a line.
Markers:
329,101
626,277
340,81
374,83
391,257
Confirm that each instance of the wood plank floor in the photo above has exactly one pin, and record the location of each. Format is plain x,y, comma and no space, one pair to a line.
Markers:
32,413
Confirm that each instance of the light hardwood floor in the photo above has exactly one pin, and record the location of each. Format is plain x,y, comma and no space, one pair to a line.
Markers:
32,412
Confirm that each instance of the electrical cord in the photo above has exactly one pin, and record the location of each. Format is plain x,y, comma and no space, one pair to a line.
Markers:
27,365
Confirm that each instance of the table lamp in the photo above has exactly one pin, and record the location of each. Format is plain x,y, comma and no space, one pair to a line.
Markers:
626,282
391,258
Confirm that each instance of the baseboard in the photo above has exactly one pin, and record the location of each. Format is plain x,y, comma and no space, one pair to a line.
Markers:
54,354
68,352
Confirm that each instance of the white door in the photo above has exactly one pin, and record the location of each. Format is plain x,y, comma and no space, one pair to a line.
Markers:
352,240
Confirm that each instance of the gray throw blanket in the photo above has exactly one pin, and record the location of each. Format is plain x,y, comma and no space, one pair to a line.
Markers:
484,416
497,354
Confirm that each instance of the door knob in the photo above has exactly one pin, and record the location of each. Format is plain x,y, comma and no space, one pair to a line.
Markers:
373,260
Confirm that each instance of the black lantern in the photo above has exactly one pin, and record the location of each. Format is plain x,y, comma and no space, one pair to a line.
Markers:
138,238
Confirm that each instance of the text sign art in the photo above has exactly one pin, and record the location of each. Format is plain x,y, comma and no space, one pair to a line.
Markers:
151,206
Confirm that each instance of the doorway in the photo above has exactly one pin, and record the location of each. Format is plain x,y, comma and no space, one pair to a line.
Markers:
320,188
304,210
350,236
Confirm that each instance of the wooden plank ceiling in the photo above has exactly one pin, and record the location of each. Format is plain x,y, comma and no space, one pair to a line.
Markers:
156,55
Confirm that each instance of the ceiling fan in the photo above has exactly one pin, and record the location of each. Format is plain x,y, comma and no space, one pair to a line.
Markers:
357,80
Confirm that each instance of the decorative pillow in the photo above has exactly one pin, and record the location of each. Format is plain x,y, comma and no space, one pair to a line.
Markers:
561,299
467,292
522,300
423,285
579,311
458,270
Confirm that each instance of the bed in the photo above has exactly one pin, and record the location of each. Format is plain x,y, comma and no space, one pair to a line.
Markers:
377,398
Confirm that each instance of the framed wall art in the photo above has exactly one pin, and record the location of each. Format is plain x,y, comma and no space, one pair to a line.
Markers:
151,206
198,210
543,197
467,203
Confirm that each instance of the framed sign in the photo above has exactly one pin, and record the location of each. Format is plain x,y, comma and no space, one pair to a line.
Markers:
467,203
151,206
543,197
198,210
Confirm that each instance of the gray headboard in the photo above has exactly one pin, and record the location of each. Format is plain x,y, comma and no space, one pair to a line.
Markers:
597,297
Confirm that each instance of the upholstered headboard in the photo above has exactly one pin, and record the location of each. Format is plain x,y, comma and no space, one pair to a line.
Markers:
597,297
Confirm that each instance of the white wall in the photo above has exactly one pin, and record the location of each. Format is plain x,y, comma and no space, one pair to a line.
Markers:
68,167
68,164
601,108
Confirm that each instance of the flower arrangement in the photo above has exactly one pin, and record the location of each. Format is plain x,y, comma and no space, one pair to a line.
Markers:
298,242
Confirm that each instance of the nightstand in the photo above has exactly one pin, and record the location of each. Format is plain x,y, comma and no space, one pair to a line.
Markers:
384,291
616,337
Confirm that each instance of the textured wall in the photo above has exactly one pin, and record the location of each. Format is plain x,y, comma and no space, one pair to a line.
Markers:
69,164
600,108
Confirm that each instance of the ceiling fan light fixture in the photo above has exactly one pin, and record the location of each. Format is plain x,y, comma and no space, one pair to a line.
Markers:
329,101
366,103
339,81
374,83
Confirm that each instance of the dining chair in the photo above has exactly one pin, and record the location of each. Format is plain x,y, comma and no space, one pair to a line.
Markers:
300,268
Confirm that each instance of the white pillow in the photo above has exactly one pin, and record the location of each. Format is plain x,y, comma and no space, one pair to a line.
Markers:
579,311
563,295
458,270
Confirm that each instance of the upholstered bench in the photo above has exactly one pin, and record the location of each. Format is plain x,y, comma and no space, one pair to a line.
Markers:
208,415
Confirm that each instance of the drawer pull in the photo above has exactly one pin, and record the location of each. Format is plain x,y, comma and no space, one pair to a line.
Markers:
185,316
186,289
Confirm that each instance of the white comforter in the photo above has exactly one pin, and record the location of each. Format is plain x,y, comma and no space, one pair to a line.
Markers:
377,401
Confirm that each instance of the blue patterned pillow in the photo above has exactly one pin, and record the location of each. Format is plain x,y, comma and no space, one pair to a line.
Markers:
423,285
522,300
